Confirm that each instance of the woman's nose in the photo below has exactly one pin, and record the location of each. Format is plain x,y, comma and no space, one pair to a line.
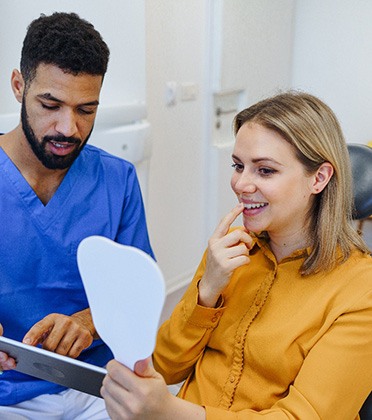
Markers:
242,183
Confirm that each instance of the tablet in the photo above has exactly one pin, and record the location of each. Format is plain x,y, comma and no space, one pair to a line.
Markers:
53,367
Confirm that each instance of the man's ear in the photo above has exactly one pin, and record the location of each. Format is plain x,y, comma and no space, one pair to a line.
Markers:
18,85
321,177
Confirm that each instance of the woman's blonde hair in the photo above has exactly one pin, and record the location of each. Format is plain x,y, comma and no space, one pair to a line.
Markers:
312,128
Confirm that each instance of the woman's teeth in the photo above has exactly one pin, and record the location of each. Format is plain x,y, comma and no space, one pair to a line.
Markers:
254,206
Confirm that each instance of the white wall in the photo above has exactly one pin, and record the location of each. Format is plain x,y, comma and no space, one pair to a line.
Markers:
333,59
176,51
256,46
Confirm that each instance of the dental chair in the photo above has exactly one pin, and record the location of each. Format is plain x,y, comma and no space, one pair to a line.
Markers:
366,411
361,165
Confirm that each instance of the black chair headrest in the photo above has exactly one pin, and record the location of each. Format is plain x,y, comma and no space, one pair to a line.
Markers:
361,166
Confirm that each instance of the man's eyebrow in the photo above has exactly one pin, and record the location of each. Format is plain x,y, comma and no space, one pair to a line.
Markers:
50,97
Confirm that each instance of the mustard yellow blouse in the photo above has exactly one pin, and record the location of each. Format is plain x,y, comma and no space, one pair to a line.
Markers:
280,346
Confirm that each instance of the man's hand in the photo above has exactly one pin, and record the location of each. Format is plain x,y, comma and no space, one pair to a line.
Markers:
62,334
6,362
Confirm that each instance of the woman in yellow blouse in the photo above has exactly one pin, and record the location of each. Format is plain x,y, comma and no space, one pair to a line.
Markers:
277,322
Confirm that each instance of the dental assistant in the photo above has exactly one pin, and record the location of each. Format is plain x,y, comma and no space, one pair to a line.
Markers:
55,191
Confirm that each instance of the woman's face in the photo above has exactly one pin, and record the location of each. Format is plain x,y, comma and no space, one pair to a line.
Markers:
271,182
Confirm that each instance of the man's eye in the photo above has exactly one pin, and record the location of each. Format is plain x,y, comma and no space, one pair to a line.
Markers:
50,107
86,111
238,167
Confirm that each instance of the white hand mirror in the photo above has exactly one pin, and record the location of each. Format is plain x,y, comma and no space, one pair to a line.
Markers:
126,293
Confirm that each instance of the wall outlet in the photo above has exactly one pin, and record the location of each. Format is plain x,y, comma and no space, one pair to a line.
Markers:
189,91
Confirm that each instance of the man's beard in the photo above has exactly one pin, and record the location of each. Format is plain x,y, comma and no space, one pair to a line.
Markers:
49,160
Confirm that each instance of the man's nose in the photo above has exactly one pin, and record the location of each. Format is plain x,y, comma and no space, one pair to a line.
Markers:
67,124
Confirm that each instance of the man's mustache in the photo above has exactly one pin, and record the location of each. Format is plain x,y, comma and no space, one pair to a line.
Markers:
62,139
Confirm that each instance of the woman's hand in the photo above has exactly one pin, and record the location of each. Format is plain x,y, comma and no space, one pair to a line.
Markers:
143,395
226,252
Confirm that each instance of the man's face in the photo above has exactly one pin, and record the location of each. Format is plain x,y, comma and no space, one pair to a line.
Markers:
39,147
58,113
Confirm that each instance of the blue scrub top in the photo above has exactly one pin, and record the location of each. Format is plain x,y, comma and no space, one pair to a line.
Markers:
99,195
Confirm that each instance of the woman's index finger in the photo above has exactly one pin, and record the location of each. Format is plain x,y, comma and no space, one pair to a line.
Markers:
227,221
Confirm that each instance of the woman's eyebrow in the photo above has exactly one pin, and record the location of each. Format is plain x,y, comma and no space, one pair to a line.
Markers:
265,159
258,160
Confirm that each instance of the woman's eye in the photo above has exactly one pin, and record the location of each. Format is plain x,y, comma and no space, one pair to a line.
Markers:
238,167
266,171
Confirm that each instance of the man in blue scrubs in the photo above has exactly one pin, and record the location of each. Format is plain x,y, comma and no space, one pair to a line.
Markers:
56,190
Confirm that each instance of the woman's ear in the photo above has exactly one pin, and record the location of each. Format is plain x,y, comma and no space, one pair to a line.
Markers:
18,85
322,177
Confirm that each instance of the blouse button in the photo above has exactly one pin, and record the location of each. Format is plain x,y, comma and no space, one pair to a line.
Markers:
232,378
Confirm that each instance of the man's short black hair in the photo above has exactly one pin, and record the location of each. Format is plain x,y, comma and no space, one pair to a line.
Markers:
64,40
